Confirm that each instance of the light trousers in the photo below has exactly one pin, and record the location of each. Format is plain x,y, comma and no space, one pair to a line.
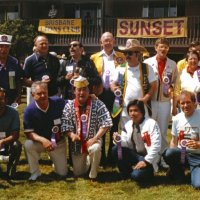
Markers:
82,162
58,156
161,113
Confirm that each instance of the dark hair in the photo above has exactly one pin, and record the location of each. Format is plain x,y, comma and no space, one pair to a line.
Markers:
97,81
161,40
191,53
139,104
194,44
78,42
190,94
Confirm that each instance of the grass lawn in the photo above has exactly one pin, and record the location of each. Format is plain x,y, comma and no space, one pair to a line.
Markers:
109,186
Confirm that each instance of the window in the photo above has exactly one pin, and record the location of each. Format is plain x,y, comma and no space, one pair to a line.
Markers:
155,9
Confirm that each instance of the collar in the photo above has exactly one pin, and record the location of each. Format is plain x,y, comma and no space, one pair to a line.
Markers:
135,68
41,108
103,53
189,71
38,56
159,60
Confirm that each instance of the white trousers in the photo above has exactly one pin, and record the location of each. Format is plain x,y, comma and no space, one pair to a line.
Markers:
29,98
161,113
58,156
81,163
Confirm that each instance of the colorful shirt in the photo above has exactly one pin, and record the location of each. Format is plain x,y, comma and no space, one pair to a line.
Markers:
99,117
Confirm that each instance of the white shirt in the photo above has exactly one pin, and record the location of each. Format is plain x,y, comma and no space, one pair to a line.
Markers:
151,127
190,126
108,66
133,89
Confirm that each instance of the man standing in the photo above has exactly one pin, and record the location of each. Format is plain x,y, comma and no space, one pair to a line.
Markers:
42,126
166,73
185,142
10,71
77,64
85,121
42,66
133,80
106,61
10,147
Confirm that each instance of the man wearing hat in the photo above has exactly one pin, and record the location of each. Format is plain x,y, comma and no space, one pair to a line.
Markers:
166,73
10,71
42,126
133,80
85,121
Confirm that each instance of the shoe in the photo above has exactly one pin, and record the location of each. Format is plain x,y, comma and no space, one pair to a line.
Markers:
93,180
34,176
163,164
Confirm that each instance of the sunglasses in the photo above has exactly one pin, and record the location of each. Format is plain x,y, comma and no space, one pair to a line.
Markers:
130,53
74,45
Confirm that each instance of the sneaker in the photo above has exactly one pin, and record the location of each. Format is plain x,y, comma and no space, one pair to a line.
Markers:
34,176
4,159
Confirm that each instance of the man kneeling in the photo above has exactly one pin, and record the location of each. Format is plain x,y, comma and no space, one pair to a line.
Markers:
42,123
137,148
85,121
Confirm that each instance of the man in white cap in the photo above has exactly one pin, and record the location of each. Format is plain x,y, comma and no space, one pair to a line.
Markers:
10,71
133,80
85,121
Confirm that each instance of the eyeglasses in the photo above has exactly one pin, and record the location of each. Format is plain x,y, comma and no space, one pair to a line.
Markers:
74,45
130,53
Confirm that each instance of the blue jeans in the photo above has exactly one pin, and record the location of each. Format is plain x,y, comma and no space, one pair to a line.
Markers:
130,158
172,157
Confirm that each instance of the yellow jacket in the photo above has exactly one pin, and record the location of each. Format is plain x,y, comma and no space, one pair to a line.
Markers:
182,64
97,58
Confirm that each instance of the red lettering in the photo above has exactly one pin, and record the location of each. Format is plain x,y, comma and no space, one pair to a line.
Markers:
157,29
179,25
145,27
167,25
132,32
123,27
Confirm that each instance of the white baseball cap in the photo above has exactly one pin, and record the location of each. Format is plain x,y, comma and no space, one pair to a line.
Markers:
5,39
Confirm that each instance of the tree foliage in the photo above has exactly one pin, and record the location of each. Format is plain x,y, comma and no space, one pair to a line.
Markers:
23,35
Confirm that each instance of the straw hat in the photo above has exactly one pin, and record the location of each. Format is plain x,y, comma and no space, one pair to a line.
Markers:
132,45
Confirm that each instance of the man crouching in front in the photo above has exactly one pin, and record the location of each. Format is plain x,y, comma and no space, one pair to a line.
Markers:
85,121
137,148
42,125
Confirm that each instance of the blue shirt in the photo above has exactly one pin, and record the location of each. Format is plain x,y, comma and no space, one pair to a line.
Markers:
40,122
9,121
12,66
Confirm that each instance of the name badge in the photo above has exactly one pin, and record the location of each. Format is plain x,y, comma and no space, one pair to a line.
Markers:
2,134
57,121
69,69
12,73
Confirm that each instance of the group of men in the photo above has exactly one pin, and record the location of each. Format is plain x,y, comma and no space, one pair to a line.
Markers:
111,92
